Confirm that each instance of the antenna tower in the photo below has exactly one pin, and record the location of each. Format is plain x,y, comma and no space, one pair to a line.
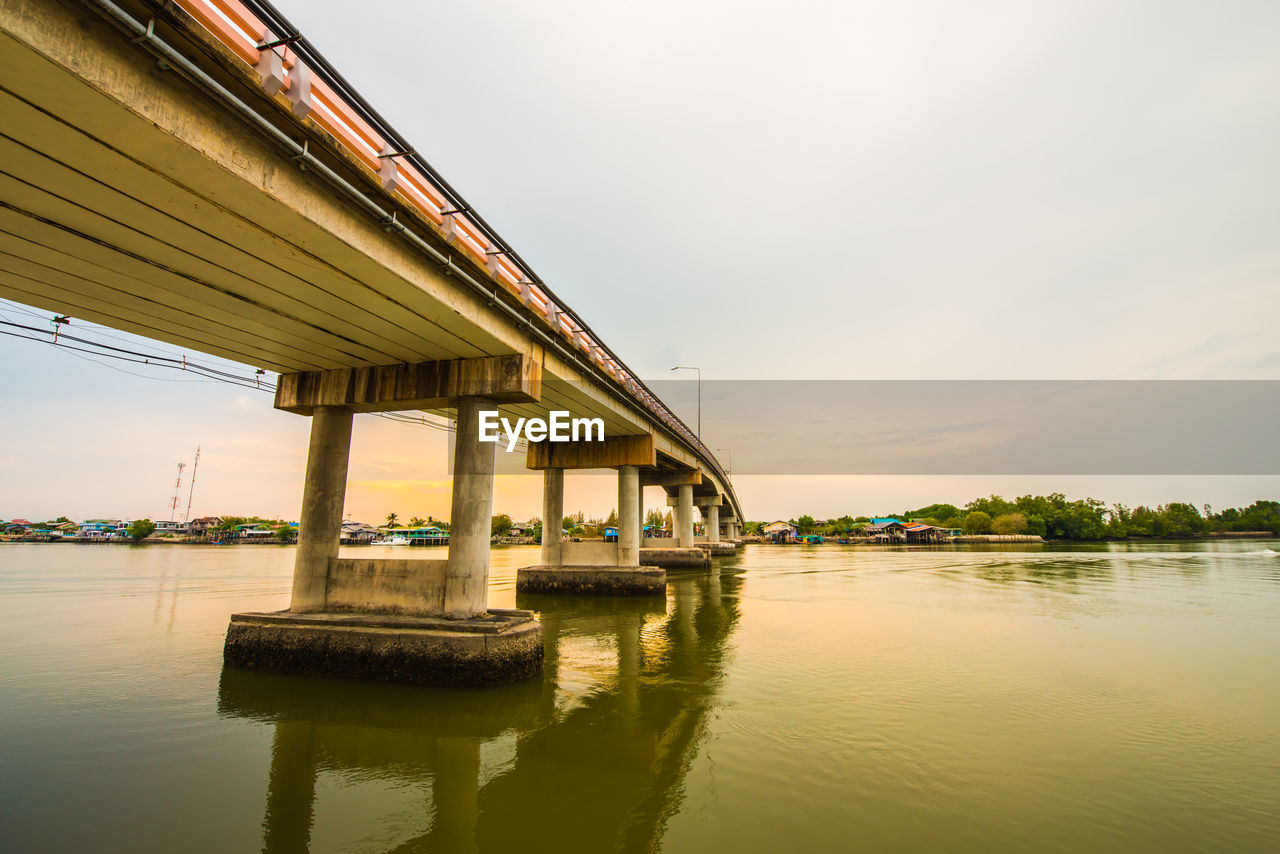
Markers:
177,487
194,467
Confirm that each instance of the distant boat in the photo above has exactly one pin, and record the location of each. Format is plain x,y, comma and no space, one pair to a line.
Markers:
396,540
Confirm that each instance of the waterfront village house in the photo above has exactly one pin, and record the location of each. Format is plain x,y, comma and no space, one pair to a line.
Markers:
255,531
611,534
426,536
356,532
891,530
201,526
518,529
165,526
16,526
780,532
98,529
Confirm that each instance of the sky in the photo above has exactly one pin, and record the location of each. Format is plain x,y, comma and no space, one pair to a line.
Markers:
920,190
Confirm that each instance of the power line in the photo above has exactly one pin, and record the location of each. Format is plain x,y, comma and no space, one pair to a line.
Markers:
92,348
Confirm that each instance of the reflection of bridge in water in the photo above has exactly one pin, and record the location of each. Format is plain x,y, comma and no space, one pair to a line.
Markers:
599,770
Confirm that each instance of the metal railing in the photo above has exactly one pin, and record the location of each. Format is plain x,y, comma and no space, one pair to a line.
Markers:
290,67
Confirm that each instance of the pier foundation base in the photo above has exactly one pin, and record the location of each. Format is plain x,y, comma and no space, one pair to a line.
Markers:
593,580
676,558
500,647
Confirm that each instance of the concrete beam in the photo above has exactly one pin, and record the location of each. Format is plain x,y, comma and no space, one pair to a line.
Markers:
697,500
693,477
613,452
424,385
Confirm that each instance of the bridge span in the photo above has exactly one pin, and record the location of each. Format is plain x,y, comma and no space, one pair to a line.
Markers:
194,171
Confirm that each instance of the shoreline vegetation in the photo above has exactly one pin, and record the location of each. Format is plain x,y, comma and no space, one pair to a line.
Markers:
1054,517
1027,519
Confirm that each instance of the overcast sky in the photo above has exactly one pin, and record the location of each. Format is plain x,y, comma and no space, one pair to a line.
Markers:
1077,190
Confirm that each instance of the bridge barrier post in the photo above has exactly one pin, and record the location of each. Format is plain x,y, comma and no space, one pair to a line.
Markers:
552,514
466,592
323,494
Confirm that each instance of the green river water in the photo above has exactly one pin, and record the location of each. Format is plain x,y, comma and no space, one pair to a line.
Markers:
825,698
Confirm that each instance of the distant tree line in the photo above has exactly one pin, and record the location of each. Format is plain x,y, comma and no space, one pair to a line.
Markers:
1055,516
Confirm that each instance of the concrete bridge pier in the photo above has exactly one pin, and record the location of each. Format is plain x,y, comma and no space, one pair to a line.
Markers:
323,494
684,516
598,568
710,542
711,518
552,514
668,552
466,588
442,629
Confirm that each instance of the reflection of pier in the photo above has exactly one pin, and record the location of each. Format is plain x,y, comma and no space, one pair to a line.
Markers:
593,769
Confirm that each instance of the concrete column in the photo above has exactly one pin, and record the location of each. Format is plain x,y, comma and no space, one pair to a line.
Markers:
640,510
323,494
466,584
713,522
683,517
552,515
628,524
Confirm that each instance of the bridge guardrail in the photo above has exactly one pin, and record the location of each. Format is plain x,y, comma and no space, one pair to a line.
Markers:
261,37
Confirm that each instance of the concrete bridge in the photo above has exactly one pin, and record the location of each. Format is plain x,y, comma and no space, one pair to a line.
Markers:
195,172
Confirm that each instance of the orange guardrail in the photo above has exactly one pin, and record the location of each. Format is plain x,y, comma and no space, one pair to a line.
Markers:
247,36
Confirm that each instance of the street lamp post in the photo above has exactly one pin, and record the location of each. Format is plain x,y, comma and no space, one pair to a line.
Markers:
699,370
730,453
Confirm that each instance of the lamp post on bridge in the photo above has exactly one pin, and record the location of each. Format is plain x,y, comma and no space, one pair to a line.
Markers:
730,453
699,370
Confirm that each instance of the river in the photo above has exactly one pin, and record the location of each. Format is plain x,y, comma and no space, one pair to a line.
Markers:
798,698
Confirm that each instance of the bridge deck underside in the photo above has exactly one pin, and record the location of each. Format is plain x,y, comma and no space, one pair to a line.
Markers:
114,220
193,230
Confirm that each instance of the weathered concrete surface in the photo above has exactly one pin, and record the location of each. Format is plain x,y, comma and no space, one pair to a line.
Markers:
592,580
590,553
628,516
392,586
423,385
684,516
711,515
502,646
553,509
676,558
614,451
323,494
466,590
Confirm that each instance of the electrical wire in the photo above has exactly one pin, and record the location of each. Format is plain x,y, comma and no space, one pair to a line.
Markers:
92,348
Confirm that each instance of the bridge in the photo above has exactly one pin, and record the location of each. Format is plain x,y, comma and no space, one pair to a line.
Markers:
197,173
